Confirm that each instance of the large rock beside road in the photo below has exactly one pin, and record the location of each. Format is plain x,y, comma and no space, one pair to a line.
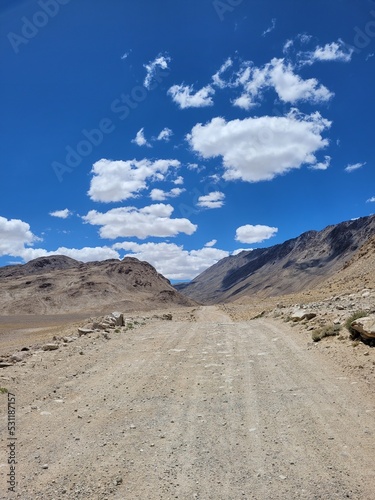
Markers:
365,327
300,314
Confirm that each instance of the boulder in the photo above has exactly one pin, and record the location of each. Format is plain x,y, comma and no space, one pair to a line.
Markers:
365,327
300,314
118,317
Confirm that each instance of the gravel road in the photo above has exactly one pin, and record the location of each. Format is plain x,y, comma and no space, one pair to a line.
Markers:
203,409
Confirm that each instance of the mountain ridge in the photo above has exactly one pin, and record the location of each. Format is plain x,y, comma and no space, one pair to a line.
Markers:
288,267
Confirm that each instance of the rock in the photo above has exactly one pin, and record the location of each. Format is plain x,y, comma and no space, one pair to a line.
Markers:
366,294
365,327
119,318
50,347
18,356
4,364
167,316
300,314
84,331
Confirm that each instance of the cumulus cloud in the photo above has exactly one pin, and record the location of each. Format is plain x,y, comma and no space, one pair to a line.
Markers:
160,195
172,260
140,139
371,200
185,97
159,63
291,88
165,135
255,234
86,254
119,180
154,220
212,200
335,51
355,166
278,75
178,181
257,149
15,235
61,214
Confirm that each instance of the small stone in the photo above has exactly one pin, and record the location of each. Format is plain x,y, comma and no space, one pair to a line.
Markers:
50,347
45,466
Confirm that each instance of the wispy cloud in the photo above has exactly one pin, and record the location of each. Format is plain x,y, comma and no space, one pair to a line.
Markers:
159,63
61,214
140,139
355,166
126,55
270,28
371,200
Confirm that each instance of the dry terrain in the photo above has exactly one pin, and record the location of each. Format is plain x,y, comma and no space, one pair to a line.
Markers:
198,407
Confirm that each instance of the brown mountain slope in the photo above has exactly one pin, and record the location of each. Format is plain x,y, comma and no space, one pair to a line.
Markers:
291,267
52,285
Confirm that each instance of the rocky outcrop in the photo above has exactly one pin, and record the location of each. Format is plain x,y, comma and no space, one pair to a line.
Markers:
365,327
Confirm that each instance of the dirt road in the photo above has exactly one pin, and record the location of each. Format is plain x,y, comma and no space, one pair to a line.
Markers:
204,409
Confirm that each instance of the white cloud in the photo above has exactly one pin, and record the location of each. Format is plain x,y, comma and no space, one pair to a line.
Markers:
172,260
61,214
369,56
322,165
140,139
335,51
14,236
287,46
126,55
212,200
165,135
218,81
257,149
161,62
280,76
178,181
185,97
86,254
271,28
291,88
255,234
239,250
355,166
371,200
160,195
211,243
119,180
154,220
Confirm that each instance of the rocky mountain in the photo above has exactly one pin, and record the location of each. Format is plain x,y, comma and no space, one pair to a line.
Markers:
290,267
58,284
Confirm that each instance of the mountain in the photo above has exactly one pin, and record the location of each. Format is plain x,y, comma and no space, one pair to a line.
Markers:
289,267
58,284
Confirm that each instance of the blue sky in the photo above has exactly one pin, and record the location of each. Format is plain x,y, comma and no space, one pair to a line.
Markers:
182,132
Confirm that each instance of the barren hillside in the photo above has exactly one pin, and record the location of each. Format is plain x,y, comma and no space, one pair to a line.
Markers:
291,267
57,284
